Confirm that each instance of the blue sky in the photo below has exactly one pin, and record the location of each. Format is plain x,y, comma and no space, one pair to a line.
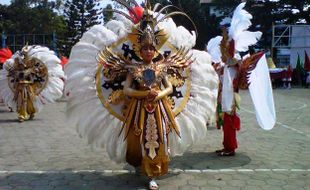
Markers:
5,1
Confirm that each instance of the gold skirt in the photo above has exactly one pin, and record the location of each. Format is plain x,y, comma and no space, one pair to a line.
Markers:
147,127
24,101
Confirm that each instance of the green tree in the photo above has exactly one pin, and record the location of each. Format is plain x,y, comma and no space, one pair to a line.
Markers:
31,17
207,25
291,11
268,12
80,15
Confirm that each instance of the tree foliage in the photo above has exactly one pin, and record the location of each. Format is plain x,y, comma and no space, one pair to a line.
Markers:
32,17
108,15
207,26
268,12
79,15
39,16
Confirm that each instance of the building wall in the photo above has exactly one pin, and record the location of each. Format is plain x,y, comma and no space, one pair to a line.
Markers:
300,42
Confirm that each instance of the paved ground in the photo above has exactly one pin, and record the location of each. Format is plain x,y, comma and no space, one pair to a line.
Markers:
47,154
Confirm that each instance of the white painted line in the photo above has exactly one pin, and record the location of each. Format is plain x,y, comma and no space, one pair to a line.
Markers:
83,171
281,124
226,170
298,170
192,171
249,111
245,170
210,171
121,171
299,108
176,171
262,170
108,171
280,170
290,128
173,171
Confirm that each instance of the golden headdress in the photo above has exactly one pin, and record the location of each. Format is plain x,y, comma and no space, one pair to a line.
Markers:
23,57
146,31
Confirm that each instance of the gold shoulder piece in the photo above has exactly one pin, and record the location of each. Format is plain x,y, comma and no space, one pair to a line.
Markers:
180,59
115,64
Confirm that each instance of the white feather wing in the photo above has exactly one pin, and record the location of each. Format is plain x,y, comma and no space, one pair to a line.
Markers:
5,91
100,128
262,96
246,39
200,108
241,21
94,122
214,49
178,35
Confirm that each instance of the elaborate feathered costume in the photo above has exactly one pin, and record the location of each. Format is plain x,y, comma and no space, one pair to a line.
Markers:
235,73
31,78
124,117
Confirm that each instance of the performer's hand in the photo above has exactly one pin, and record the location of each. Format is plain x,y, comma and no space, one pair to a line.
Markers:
151,96
233,110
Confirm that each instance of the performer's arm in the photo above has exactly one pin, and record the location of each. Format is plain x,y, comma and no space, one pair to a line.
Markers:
133,92
168,89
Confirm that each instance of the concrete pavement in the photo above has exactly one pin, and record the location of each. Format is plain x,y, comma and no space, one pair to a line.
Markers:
48,154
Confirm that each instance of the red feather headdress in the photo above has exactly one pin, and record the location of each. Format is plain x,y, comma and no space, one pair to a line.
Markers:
5,54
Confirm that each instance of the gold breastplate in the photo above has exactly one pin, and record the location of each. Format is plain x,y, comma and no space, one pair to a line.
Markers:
149,76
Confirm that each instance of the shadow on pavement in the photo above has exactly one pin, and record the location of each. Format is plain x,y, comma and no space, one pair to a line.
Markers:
21,123
74,181
209,160
5,110
9,121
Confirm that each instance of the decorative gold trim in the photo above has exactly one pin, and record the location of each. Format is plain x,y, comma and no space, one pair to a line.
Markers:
30,62
101,97
106,104
46,79
188,84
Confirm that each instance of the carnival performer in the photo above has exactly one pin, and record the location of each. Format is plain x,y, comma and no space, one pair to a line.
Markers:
5,53
157,93
252,73
30,79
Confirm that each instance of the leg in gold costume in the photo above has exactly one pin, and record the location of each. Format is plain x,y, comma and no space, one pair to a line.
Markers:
24,102
147,142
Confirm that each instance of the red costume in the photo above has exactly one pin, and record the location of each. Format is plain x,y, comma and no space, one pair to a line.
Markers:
231,125
251,73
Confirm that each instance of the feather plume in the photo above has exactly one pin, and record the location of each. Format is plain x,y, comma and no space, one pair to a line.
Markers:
101,129
241,21
214,50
